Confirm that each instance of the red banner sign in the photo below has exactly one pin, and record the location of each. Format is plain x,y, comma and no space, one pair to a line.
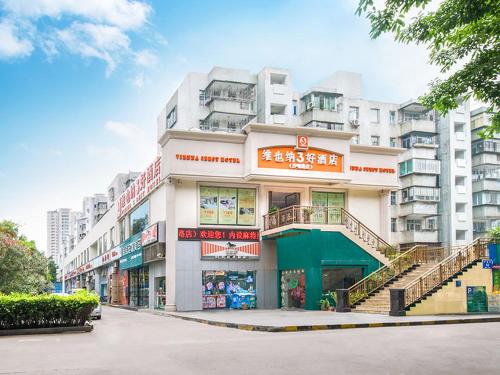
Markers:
199,234
140,188
149,235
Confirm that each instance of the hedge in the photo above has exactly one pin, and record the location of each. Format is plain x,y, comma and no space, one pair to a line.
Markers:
46,310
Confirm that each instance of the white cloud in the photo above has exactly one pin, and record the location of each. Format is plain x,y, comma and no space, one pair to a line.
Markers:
126,14
103,152
107,43
98,29
139,80
145,58
11,45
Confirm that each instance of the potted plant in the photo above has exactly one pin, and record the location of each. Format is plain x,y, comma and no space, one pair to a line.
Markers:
324,304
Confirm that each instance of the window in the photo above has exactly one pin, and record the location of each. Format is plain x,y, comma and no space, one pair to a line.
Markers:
374,115
227,206
392,142
172,118
340,278
104,242
355,139
322,101
353,113
278,79
414,225
122,230
426,166
394,224
294,107
392,117
139,218
393,198
375,140
460,235
112,237
278,109
420,193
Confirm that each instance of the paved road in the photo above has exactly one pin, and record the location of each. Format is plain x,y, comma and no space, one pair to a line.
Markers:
126,342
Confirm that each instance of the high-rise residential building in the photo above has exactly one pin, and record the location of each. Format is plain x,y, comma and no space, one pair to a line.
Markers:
433,204
485,174
58,233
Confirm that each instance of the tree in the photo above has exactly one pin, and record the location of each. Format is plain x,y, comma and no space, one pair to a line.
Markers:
22,267
463,38
52,270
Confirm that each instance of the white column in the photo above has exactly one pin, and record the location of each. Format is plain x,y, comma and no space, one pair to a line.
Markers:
170,246
385,215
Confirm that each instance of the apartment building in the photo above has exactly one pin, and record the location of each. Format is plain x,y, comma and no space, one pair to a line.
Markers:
485,175
426,209
58,233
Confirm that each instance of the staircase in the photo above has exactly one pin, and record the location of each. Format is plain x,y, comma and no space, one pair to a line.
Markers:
371,294
306,217
379,302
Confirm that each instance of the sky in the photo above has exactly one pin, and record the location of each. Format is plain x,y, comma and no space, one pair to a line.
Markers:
82,82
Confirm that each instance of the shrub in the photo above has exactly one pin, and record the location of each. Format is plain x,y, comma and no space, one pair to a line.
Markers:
46,310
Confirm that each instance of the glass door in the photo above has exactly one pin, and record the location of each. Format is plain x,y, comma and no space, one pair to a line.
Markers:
143,279
133,281
279,200
293,289
333,202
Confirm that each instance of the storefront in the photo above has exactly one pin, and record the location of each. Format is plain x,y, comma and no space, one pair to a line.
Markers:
153,243
268,218
134,273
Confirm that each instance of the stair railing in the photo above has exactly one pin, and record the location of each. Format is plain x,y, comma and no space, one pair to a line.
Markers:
367,235
416,255
445,269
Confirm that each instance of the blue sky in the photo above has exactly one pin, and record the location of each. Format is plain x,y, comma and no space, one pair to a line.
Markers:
82,82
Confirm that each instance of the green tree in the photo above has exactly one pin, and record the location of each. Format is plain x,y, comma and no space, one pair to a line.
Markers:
463,39
22,267
52,270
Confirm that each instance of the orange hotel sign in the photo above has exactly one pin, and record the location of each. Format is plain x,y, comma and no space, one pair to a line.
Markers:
291,157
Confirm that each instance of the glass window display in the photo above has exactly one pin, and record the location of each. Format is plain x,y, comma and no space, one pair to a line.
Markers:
229,289
293,289
160,295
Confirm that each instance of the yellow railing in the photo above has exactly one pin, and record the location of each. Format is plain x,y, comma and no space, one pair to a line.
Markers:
447,268
416,255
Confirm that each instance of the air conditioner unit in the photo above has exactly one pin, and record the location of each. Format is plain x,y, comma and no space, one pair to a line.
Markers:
354,123
309,106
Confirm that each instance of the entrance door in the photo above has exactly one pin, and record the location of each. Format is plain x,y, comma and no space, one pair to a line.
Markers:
293,289
332,202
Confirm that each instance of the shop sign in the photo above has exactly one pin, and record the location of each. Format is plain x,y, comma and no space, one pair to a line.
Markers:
208,158
149,235
358,168
131,260
69,275
230,250
143,185
131,250
288,157
200,234
110,255
302,143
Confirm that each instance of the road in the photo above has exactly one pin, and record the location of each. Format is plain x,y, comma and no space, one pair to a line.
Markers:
126,342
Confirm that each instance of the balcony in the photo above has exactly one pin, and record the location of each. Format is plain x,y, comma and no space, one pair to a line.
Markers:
419,236
486,184
229,91
224,106
319,115
224,122
418,125
484,211
418,209
325,125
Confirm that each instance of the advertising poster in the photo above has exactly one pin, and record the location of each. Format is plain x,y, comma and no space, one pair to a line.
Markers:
208,205
335,200
246,206
227,205
477,300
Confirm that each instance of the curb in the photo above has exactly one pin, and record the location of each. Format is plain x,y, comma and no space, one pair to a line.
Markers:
123,307
320,327
44,331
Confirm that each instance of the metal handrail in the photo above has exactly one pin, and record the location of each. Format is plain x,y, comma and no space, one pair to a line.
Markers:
415,255
445,269
327,215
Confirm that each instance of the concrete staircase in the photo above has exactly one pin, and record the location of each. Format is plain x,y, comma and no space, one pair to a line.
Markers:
379,302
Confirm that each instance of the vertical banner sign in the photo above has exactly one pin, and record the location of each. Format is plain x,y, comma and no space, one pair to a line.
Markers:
246,206
227,205
208,205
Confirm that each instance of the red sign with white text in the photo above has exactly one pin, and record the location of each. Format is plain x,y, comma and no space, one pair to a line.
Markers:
140,188
199,234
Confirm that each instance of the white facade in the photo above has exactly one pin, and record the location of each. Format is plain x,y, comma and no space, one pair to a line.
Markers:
59,230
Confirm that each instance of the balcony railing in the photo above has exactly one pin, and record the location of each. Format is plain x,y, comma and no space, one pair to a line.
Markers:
317,215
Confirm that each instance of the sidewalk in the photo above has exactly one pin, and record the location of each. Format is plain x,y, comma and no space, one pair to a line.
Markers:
288,321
